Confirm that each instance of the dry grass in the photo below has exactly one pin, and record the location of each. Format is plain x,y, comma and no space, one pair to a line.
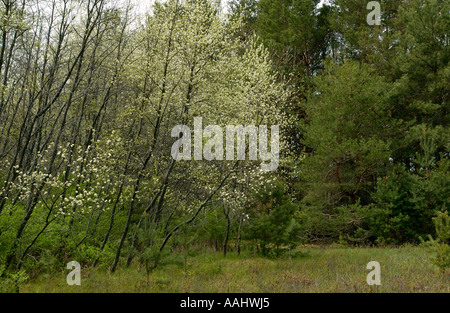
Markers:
315,270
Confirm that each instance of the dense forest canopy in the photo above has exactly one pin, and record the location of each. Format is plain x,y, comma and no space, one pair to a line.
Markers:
89,94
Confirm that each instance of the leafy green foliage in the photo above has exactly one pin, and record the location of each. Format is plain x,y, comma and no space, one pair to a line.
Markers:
276,225
442,223
441,245
12,282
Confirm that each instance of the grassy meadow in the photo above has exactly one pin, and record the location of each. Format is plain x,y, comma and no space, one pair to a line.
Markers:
310,270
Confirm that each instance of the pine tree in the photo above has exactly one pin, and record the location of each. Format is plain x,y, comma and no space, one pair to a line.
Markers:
348,129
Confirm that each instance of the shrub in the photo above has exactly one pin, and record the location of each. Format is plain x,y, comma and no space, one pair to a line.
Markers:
440,246
276,226
442,257
10,282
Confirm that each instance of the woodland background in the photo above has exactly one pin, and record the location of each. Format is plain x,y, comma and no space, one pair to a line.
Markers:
89,93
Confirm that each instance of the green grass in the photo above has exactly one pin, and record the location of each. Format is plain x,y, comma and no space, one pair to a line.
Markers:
314,270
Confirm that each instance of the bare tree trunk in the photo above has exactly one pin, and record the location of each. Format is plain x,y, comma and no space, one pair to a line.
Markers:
226,212
241,219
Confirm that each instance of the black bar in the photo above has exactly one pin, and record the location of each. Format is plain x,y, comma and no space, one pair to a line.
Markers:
168,303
